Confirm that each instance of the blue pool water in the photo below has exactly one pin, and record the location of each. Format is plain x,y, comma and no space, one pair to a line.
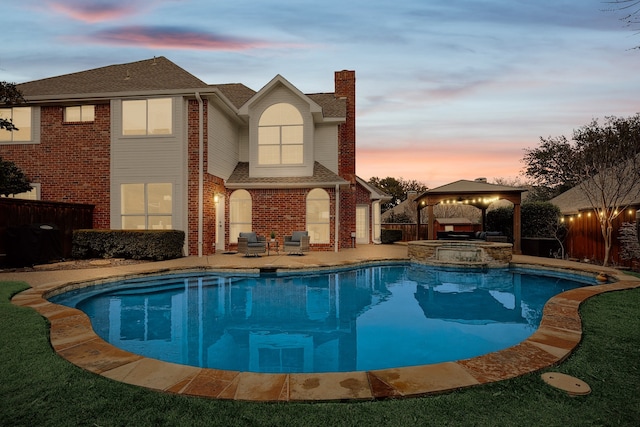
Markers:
348,320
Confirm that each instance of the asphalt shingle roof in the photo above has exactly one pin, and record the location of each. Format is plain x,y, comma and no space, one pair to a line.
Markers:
321,176
237,93
155,74
148,75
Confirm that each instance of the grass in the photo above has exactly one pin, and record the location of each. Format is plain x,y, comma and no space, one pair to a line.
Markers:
37,387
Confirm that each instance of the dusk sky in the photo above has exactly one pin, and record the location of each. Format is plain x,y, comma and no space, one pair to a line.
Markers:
446,90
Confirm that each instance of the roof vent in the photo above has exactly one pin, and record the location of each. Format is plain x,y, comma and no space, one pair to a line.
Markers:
480,180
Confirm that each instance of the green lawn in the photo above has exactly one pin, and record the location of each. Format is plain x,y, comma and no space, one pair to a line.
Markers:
38,388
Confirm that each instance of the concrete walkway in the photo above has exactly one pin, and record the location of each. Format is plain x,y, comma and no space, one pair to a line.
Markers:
73,338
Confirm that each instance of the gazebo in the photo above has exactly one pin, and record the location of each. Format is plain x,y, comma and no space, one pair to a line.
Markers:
476,193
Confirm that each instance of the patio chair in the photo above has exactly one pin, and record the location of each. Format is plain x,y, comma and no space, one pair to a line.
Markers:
297,243
250,244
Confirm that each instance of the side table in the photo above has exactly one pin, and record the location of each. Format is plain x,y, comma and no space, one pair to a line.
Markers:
273,246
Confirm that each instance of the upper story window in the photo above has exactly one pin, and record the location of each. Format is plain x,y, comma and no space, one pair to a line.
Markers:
21,118
280,136
147,117
80,113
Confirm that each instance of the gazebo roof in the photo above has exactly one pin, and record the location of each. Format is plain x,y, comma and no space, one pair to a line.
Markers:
477,186
477,193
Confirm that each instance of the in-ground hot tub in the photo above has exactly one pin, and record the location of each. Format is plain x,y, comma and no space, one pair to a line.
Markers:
461,253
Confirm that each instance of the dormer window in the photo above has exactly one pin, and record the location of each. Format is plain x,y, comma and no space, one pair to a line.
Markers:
280,136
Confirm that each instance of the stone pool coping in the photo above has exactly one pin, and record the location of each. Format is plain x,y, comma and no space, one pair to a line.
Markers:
73,338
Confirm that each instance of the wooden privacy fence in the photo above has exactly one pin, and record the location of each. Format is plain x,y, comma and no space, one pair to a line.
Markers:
65,217
585,240
408,230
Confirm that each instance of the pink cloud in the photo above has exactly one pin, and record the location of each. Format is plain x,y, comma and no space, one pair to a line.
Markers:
93,11
439,164
178,38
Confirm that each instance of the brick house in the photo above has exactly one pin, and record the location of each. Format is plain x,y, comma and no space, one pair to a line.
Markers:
154,147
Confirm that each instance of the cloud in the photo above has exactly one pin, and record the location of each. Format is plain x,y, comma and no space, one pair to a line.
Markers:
95,11
179,38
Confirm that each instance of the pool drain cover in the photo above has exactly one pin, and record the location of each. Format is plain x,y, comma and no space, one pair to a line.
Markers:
572,385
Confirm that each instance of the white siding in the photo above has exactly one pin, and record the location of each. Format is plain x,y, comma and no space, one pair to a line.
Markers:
224,150
244,144
326,146
145,159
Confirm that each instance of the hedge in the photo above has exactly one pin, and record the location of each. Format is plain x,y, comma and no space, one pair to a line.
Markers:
390,236
131,244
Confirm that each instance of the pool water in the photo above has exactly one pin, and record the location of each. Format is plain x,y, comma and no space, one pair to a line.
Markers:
358,319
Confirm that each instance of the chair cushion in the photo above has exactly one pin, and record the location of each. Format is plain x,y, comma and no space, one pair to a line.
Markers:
296,236
251,237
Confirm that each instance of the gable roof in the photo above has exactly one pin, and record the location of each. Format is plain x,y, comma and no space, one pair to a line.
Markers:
575,200
147,75
278,80
374,192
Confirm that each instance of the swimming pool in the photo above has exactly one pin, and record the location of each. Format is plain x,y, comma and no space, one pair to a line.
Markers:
355,319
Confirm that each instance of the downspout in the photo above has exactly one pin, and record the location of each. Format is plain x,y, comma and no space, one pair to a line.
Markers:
337,220
200,172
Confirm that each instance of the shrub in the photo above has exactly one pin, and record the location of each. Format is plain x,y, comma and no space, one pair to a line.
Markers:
539,219
131,244
500,219
390,236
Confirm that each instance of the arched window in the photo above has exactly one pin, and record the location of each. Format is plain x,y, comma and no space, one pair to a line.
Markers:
239,214
280,136
318,216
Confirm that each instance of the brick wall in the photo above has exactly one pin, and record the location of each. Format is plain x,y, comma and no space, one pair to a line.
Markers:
211,185
284,211
71,162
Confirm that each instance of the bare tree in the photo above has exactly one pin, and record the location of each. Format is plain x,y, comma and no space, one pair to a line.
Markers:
605,162
631,13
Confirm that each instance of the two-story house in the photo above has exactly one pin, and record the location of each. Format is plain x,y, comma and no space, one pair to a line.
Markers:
154,147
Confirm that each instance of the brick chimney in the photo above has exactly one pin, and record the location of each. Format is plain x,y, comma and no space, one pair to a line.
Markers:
345,87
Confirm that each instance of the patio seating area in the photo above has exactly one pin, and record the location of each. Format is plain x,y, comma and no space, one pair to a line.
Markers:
297,243
250,244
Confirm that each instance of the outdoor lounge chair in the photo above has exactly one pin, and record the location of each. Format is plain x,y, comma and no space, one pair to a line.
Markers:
250,244
297,243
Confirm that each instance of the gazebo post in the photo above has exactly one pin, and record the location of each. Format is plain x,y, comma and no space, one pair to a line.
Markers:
517,229
431,233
